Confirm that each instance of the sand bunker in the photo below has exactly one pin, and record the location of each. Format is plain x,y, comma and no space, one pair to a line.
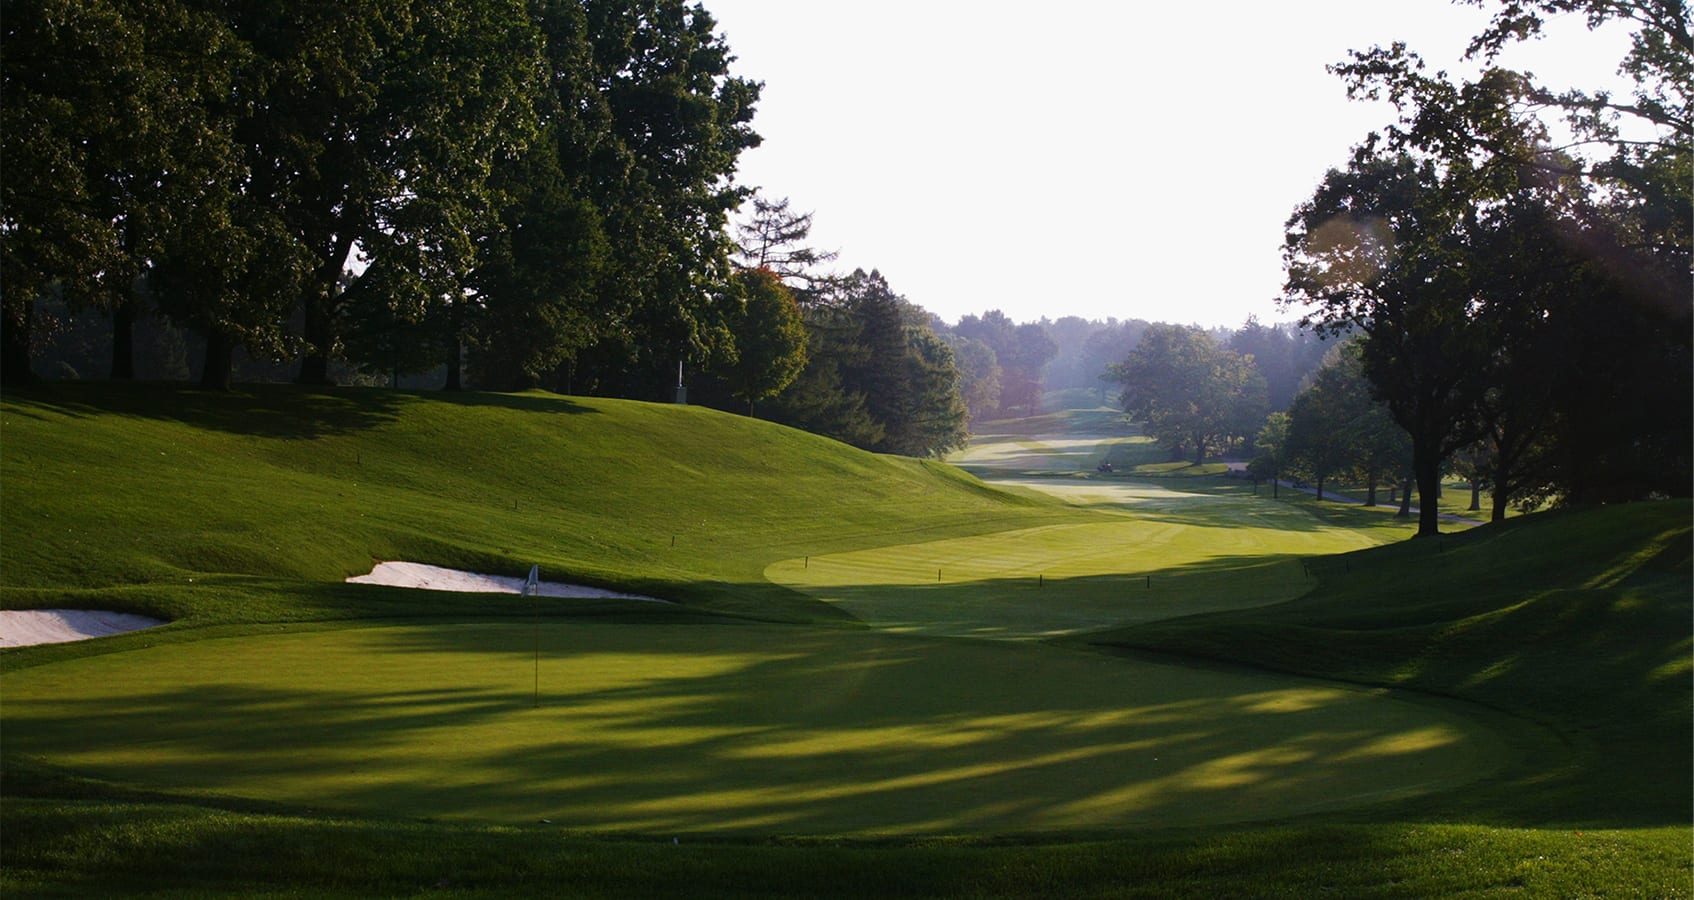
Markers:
435,578
25,627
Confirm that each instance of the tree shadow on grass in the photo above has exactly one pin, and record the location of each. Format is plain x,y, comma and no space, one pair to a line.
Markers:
1196,500
262,410
742,730
1039,606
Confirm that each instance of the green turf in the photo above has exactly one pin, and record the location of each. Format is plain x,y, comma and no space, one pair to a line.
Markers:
1554,650
704,728
131,487
1154,552
1576,620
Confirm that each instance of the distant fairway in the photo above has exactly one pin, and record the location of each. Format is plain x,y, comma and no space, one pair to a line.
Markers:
668,728
1157,552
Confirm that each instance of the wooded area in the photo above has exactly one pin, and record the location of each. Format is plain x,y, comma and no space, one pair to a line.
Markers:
542,193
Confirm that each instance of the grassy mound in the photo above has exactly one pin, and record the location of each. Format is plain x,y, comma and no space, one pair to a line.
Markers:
1577,620
154,500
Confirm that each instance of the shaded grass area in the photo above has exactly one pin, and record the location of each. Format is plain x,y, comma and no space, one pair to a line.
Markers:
658,728
121,498
1577,620
163,848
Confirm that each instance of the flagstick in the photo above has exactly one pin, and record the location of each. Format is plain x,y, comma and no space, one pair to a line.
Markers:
535,618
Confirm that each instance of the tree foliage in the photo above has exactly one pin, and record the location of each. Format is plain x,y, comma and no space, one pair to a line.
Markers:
1020,353
877,375
773,237
770,337
1335,427
1195,395
545,183
1464,246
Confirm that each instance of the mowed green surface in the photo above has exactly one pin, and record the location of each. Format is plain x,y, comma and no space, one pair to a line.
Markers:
705,728
237,515
1154,552
664,726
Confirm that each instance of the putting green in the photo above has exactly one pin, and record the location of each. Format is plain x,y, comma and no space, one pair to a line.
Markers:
692,728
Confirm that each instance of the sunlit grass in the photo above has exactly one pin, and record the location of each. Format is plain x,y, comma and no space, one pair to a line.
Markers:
710,729
1164,547
269,742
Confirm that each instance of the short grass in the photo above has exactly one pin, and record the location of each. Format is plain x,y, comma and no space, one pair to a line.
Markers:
1579,621
141,496
1157,549
667,729
1567,637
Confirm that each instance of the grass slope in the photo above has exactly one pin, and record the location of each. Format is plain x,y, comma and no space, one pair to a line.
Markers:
147,498
239,515
1579,621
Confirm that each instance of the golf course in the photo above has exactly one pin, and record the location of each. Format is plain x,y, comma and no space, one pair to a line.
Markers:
1008,673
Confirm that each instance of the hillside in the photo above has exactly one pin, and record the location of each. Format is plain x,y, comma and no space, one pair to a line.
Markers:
142,494
1577,621
1532,737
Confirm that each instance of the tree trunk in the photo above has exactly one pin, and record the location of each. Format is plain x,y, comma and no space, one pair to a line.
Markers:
314,366
1320,488
1426,467
14,343
219,366
123,341
321,305
455,365
1475,494
1370,493
1498,512
1405,499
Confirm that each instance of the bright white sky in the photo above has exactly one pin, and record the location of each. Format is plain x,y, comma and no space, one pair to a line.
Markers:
1101,158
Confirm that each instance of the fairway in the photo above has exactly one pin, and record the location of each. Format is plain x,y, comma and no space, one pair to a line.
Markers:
705,728
1155,551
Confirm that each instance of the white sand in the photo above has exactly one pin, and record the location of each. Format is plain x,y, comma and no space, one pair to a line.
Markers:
23,627
435,578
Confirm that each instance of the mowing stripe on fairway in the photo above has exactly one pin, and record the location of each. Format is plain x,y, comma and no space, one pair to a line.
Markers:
662,728
1156,553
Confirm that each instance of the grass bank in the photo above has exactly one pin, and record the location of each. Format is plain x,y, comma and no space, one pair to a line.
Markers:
238,516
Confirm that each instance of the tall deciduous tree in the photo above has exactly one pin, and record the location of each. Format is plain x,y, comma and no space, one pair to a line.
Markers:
678,121
372,128
1378,248
979,375
1272,444
113,124
770,337
1621,242
1020,351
